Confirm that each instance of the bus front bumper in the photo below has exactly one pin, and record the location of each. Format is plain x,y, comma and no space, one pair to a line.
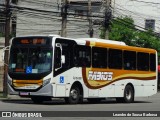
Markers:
46,90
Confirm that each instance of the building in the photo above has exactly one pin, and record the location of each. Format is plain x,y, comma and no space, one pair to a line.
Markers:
45,18
145,13
2,18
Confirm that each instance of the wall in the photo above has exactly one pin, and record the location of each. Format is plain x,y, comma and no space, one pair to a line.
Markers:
139,10
33,23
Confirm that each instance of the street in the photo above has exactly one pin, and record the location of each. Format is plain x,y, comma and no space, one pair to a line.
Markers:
149,104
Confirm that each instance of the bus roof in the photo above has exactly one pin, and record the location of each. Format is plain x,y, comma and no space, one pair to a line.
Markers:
98,42
103,41
116,44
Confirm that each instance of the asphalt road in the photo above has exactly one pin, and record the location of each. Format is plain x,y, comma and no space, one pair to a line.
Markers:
22,105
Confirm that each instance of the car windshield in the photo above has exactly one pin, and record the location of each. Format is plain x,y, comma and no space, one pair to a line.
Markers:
30,60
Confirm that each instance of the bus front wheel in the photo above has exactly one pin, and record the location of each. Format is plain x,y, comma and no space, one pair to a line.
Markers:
74,96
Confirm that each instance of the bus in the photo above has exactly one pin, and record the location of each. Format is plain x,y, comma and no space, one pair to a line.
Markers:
47,67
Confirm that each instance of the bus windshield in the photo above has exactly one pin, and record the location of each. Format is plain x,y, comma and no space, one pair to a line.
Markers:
30,60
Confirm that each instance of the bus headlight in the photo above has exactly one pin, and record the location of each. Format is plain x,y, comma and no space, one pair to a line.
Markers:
45,82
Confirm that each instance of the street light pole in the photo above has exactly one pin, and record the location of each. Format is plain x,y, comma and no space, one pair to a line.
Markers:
64,18
90,19
7,33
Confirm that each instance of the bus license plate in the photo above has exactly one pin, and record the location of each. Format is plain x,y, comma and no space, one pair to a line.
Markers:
24,93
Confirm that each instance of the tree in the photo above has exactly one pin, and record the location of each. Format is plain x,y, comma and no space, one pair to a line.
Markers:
123,29
147,39
1,35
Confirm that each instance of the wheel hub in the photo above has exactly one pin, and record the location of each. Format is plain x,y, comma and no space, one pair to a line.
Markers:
74,94
128,94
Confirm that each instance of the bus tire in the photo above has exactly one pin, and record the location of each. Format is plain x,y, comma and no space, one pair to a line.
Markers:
74,96
128,94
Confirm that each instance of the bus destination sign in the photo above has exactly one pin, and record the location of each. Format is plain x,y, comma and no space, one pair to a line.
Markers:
32,41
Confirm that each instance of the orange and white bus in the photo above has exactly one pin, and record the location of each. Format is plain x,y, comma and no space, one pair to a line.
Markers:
45,67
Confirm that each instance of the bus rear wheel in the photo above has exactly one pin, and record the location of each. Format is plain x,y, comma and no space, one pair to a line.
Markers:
128,95
74,96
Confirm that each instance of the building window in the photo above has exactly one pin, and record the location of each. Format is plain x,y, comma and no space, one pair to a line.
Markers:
14,1
80,14
150,24
2,25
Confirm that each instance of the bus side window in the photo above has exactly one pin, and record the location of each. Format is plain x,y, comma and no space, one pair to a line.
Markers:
129,60
82,57
99,57
152,62
57,60
115,59
142,61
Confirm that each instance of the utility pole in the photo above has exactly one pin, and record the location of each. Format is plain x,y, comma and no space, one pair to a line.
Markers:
7,33
64,18
107,18
90,19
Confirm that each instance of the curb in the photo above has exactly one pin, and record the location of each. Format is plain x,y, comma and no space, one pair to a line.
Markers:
13,97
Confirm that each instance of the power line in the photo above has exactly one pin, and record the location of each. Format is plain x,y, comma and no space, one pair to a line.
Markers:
46,14
139,15
132,12
133,26
145,2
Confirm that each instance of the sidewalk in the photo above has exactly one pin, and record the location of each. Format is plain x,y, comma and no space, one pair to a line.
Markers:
12,97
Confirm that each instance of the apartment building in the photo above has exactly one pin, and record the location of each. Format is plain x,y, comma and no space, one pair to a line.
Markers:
36,21
144,12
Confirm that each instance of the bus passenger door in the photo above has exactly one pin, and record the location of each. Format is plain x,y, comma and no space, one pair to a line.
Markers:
61,85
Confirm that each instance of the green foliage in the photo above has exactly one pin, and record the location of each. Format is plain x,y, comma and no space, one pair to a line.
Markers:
1,35
102,34
123,29
10,36
148,40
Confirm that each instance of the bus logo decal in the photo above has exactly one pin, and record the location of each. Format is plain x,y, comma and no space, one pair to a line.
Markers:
61,80
95,75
